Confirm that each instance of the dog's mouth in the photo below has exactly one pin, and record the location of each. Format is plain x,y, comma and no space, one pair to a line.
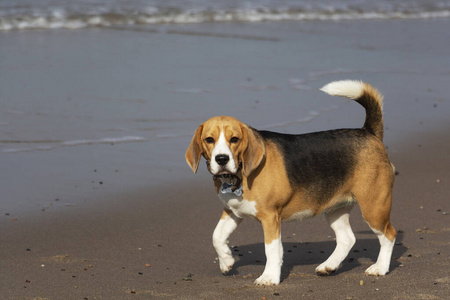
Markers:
229,181
223,171
232,179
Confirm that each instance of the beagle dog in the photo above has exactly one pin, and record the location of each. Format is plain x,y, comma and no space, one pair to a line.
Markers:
274,177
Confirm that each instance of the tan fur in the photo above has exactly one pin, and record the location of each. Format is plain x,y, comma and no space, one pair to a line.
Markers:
375,202
195,150
276,200
269,195
250,150
225,214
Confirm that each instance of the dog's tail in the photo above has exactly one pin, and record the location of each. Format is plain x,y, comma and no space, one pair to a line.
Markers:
364,94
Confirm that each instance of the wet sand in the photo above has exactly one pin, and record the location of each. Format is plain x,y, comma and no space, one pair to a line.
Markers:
135,247
130,221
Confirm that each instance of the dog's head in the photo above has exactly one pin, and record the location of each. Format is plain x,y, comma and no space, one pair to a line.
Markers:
227,145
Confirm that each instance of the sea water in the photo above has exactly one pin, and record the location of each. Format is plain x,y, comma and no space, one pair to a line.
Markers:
112,91
50,14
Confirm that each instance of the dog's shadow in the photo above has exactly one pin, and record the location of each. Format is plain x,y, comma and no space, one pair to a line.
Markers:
314,253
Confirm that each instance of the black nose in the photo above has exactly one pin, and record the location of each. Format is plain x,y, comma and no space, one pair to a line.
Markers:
222,159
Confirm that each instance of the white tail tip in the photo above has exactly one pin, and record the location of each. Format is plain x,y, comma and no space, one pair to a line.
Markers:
352,89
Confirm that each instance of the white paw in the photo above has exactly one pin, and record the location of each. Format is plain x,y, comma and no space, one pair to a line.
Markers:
326,268
226,263
267,279
376,270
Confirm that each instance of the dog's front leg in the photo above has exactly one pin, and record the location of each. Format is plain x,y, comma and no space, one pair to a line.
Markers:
227,224
274,250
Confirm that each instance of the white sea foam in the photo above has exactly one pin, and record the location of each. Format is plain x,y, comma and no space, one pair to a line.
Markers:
173,135
260,87
50,145
311,116
299,84
193,91
117,13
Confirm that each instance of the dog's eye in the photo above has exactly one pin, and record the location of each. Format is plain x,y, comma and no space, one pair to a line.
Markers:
209,140
234,140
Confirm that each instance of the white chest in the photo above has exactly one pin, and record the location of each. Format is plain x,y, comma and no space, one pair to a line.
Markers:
238,205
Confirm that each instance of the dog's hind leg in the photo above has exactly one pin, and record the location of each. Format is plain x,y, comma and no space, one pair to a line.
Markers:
381,267
377,216
227,224
345,239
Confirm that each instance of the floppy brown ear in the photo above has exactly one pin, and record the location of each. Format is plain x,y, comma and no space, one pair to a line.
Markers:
194,151
254,151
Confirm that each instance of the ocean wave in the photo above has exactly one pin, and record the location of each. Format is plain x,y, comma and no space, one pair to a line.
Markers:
59,18
40,145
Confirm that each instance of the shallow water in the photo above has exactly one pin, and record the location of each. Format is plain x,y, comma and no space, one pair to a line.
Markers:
119,105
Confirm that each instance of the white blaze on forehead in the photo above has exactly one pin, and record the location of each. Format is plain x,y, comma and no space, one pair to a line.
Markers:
221,148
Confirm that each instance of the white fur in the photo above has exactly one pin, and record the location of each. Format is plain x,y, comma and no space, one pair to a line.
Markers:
221,147
223,230
381,267
352,89
272,271
239,206
345,239
301,215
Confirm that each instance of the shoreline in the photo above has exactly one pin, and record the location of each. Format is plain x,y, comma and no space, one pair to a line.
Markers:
130,220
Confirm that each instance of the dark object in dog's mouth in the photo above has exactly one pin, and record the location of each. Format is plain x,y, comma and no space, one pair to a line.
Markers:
235,180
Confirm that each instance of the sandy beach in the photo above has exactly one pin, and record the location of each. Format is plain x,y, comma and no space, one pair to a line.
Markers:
98,201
